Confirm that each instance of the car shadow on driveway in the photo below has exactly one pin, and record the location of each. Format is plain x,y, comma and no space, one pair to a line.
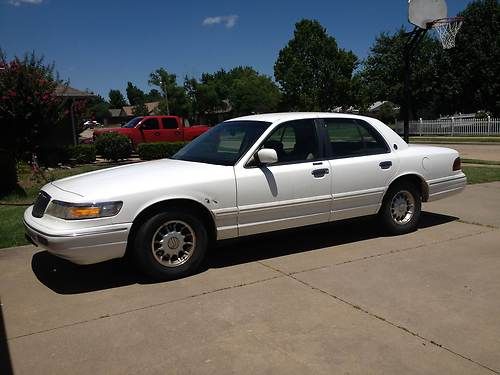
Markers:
64,277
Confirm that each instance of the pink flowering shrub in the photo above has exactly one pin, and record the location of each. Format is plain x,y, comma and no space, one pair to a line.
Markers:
28,103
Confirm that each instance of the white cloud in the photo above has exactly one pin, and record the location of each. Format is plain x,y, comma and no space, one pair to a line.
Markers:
228,21
17,3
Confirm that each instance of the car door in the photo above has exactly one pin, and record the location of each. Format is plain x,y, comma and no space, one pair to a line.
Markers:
170,131
150,129
361,164
295,191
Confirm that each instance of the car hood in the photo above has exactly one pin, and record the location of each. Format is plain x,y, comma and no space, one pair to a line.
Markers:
157,175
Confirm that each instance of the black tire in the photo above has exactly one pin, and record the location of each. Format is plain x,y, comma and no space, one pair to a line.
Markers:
408,223
146,259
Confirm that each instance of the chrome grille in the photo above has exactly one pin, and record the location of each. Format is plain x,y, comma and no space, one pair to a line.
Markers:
41,203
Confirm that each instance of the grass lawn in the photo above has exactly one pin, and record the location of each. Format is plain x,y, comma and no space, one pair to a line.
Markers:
441,139
11,228
478,175
12,206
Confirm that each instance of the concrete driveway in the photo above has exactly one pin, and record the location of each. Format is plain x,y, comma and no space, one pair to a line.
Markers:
340,298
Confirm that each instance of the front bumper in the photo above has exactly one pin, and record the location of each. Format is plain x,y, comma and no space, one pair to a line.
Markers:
82,246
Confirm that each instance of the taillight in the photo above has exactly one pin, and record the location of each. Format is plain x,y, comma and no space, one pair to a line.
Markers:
457,164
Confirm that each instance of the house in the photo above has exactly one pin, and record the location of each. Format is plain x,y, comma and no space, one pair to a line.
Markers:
377,106
115,112
72,96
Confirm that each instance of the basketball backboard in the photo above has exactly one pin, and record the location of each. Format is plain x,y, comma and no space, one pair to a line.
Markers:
421,12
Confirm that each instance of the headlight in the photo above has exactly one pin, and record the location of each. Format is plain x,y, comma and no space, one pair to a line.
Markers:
77,211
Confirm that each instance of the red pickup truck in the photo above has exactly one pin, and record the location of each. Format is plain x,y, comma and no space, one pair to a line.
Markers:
157,129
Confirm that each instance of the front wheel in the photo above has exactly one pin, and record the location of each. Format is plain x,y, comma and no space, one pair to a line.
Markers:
401,208
170,245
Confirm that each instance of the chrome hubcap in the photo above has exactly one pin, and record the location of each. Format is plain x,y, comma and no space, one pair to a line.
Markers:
173,243
402,207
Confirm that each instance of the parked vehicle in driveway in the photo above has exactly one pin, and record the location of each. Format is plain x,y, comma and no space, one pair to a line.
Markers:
157,129
245,176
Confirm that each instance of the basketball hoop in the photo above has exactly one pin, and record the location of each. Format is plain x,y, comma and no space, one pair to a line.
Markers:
447,30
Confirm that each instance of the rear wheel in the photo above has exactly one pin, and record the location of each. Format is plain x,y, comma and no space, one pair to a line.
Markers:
170,245
401,208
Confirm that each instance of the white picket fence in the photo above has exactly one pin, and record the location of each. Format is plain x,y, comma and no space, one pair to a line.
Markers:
453,127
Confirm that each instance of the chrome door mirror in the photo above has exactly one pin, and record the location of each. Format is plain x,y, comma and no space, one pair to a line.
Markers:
266,156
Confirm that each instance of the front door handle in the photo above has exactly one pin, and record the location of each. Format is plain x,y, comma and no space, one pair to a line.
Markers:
156,133
385,164
317,173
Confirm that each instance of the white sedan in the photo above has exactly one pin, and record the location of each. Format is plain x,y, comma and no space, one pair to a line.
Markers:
245,176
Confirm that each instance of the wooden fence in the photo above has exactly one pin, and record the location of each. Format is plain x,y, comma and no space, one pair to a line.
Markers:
453,127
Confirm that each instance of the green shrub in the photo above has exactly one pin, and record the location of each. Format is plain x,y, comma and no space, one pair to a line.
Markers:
51,156
113,146
160,150
83,154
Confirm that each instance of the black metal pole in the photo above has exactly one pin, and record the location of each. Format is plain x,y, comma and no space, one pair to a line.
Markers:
414,39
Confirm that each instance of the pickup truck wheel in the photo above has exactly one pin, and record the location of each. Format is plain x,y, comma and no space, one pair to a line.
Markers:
401,208
170,245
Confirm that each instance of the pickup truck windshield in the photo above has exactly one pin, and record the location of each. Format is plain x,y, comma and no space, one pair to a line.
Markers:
224,144
132,123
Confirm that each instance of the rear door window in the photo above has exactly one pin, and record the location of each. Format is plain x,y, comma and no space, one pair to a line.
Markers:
169,123
352,137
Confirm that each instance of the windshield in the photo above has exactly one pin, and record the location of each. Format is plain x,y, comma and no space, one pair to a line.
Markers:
132,123
224,144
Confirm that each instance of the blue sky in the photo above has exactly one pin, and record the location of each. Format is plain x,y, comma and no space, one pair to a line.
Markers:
101,45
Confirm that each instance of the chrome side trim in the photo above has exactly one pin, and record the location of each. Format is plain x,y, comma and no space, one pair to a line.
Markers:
284,204
359,193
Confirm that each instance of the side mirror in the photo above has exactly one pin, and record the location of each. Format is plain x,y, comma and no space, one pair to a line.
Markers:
266,156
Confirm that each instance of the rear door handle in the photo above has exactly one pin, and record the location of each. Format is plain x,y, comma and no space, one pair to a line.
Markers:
385,164
156,133
317,173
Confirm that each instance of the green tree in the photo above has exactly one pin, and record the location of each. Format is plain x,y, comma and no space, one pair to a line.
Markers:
382,76
175,100
462,79
313,72
471,71
116,99
250,92
134,94
154,96
236,92
97,108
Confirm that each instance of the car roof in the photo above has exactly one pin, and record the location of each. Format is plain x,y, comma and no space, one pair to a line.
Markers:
284,116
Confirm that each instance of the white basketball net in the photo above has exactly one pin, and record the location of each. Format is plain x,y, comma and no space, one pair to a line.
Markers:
447,30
